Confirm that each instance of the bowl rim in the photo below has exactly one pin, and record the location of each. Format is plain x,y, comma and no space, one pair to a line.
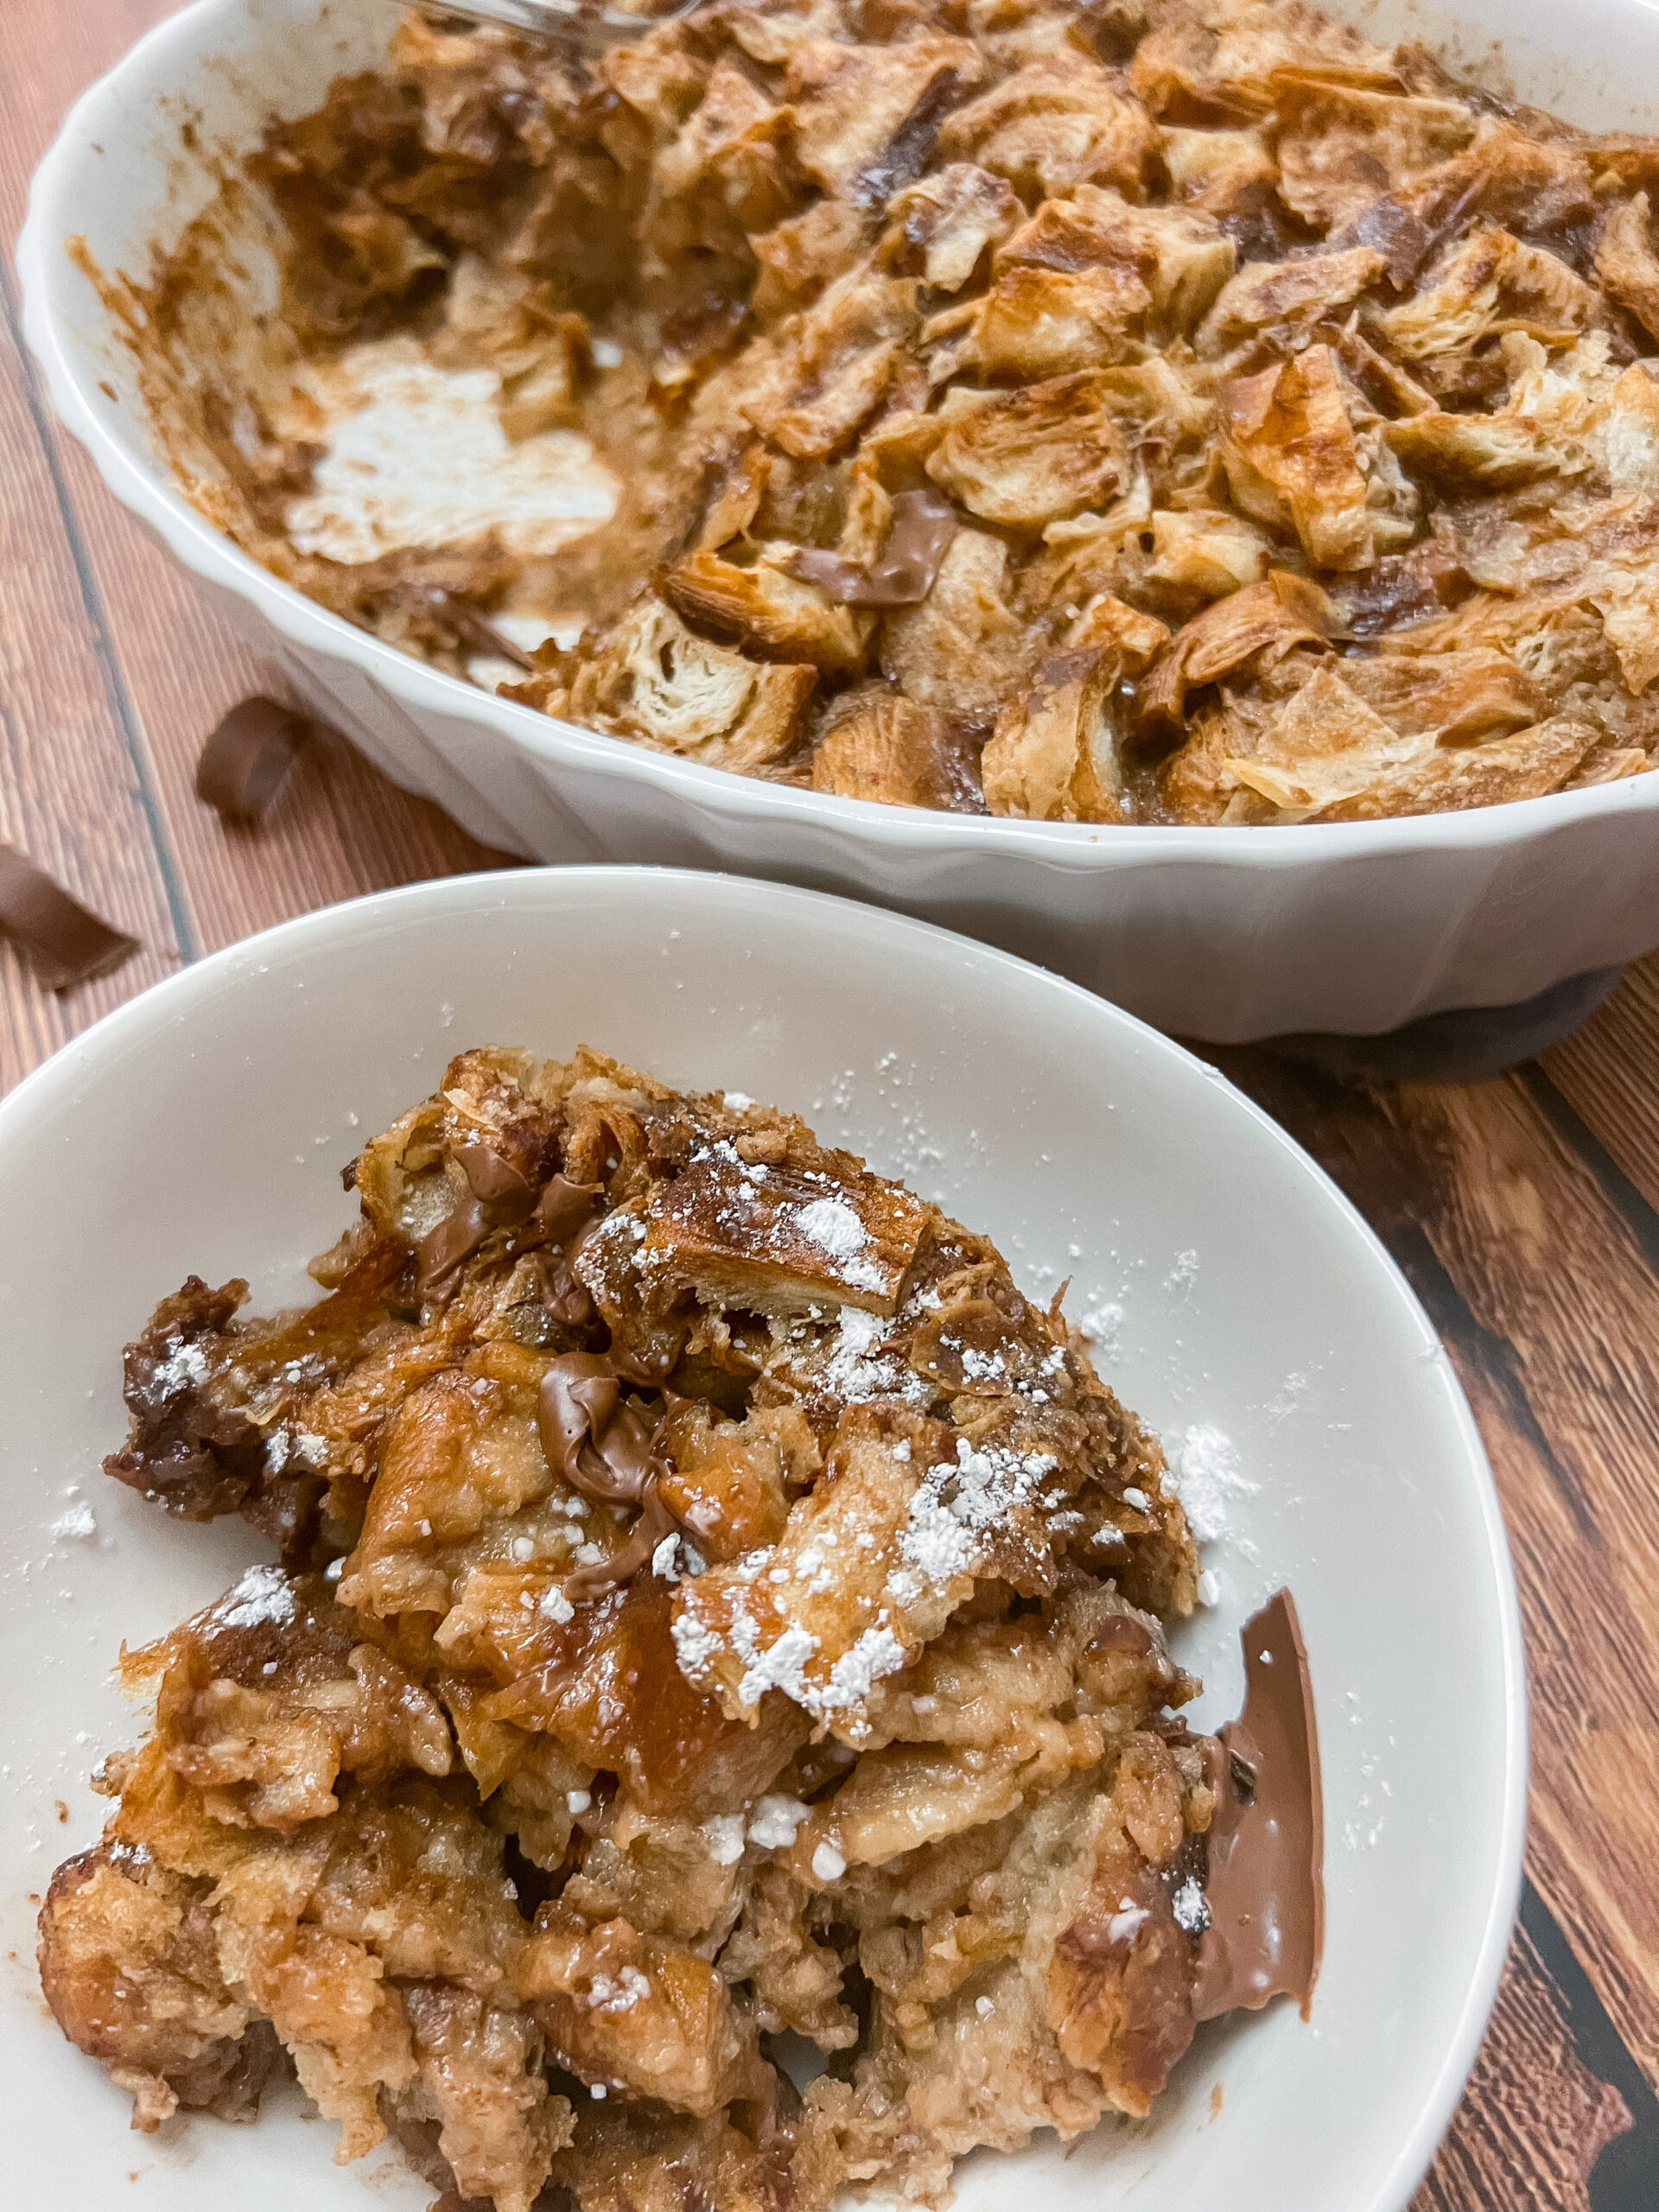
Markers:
1063,848
168,1005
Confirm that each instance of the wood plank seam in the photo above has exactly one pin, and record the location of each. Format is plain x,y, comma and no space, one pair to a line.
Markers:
120,702
1626,2177
1617,1188
1454,1320
1413,1251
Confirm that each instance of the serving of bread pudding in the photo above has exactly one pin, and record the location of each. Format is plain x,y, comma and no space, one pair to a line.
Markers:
720,1623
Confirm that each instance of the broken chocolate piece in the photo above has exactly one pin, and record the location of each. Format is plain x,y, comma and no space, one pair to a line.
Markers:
67,945
1265,1888
924,524
246,762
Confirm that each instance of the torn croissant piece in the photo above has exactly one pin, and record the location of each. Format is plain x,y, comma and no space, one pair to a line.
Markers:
889,749
1053,756
1034,456
1291,459
1326,755
778,1240
642,1673
773,608
950,220
1341,146
1259,624
660,682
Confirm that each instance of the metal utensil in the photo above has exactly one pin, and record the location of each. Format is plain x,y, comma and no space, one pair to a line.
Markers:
582,24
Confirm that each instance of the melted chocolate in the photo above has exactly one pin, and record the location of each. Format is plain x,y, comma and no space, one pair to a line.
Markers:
600,1445
496,1183
563,1214
1265,1888
443,1251
924,524
565,1296
503,1198
66,944
1120,1633
655,1522
246,762
1407,235
564,1207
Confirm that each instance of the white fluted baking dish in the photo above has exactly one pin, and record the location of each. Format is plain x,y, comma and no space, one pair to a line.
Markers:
1224,934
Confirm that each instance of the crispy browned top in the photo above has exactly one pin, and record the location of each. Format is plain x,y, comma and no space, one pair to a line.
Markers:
1164,410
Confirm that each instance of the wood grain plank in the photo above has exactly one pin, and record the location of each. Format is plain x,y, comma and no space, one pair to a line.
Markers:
1609,1073
71,794
48,55
1551,1314
1534,2119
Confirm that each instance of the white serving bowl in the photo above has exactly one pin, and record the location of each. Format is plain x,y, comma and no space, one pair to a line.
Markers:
203,1128
1226,934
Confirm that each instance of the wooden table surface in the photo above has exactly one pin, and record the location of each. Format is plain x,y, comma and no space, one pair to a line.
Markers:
1525,1211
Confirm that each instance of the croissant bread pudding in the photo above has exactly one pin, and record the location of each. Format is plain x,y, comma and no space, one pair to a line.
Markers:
720,1626
1147,410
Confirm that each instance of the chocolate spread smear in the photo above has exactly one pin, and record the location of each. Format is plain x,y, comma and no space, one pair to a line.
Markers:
924,524
563,1214
655,1522
1265,1887
67,945
564,1207
443,1251
601,1445
469,624
496,1183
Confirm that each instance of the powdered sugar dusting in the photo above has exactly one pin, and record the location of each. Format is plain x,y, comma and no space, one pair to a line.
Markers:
695,1646
1191,1907
857,1371
262,1598
1204,1475
936,1552
76,1526
184,1368
832,1224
